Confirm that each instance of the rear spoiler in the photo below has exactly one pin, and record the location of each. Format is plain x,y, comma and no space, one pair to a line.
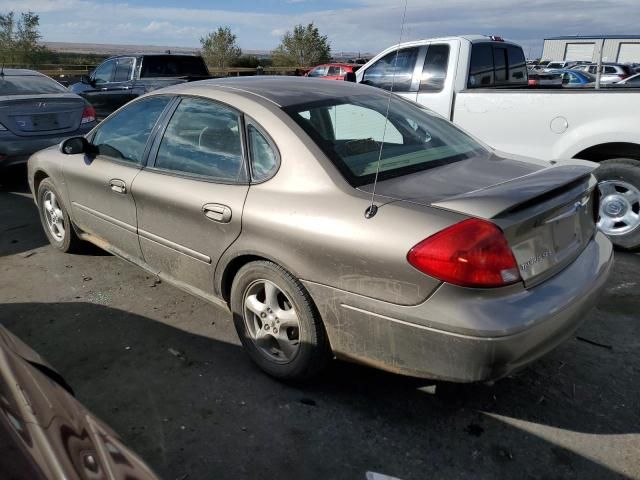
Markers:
513,194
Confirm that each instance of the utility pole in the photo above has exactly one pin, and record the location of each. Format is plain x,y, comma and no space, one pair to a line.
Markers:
599,68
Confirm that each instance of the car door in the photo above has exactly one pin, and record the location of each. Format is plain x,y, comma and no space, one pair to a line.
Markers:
99,187
96,93
190,197
119,91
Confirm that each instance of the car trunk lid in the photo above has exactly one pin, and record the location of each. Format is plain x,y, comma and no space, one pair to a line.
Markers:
545,211
28,115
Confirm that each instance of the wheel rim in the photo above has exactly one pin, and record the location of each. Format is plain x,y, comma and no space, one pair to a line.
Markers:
619,207
53,215
271,321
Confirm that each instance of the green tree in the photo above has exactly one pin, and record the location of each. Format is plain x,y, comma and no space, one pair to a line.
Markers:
304,47
219,48
19,39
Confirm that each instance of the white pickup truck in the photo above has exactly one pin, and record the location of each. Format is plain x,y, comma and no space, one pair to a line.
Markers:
480,83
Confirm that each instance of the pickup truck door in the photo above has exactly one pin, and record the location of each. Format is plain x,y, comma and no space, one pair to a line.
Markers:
190,197
435,73
96,91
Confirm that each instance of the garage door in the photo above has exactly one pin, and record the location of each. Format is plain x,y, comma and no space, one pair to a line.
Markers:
629,53
579,52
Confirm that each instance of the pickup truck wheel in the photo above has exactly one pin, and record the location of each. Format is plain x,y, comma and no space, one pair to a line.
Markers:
277,322
619,219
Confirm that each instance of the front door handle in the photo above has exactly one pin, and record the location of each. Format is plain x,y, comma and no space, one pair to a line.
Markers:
217,212
118,186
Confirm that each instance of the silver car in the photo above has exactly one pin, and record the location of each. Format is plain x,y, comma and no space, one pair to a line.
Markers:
257,194
36,112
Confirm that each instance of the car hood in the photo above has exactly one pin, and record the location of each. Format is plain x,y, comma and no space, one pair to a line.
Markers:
48,430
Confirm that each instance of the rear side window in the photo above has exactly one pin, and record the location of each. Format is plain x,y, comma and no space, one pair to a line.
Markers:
497,65
29,85
481,71
264,161
434,72
124,135
390,71
123,69
334,71
202,138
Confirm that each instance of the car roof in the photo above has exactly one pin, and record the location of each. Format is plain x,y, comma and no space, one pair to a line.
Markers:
283,91
338,64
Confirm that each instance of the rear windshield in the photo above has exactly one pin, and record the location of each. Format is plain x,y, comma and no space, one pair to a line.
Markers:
29,85
173,66
353,133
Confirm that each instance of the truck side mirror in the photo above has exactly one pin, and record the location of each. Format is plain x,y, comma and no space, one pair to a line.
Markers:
86,79
350,77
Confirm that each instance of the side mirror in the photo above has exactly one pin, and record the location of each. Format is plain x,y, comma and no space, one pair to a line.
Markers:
76,145
86,79
350,77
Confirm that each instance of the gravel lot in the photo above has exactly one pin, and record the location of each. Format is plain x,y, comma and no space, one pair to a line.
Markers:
166,371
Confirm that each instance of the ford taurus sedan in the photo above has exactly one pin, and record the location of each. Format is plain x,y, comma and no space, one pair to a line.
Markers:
36,112
331,229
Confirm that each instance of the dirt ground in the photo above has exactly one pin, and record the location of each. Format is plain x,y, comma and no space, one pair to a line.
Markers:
166,371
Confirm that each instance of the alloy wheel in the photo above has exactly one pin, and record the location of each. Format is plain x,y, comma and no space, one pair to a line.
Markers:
271,321
53,215
619,207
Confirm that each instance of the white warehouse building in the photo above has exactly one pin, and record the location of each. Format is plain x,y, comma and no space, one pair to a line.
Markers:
615,48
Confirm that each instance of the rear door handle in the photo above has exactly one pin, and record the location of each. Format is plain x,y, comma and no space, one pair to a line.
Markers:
118,186
217,212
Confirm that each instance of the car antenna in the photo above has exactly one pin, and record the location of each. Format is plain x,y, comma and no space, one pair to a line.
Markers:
372,209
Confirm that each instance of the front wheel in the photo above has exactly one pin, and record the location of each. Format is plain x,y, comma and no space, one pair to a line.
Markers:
619,184
55,219
277,322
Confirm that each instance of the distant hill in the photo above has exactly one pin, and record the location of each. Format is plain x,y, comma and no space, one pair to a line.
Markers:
118,49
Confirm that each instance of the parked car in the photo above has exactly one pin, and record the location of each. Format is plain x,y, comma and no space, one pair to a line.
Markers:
575,78
46,433
633,80
468,265
611,72
540,79
120,79
481,84
558,65
333,71
36,112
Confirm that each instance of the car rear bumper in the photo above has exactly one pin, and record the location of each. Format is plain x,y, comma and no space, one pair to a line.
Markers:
15,149
466,335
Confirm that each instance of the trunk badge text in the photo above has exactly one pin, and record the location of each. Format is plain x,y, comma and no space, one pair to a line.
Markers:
533,260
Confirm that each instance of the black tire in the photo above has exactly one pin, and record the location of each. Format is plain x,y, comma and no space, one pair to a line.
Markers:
313,351
628,171
67,242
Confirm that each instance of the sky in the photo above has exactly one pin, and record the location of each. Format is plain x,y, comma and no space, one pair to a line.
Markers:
351,25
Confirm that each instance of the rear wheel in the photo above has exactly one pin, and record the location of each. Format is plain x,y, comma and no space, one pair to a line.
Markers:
619,219
277,322
55,219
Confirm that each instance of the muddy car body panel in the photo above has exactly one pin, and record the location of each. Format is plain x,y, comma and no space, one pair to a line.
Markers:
308,216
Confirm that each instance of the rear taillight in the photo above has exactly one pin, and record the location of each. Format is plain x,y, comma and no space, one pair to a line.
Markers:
472,253
88,114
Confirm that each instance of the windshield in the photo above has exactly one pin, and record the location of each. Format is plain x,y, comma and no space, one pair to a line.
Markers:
351,131
29,85
173,66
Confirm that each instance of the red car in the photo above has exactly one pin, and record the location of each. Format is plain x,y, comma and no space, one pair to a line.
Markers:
333,71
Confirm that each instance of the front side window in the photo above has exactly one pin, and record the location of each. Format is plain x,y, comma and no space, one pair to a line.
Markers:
264,161
395,70
434,72
123,69
318,71
352,133
124,136
104,72
202,138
